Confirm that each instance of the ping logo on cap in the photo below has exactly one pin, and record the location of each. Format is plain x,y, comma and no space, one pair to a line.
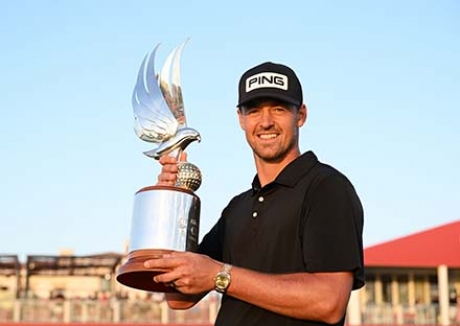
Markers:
266,80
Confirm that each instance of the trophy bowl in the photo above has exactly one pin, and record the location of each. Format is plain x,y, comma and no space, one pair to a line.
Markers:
165,219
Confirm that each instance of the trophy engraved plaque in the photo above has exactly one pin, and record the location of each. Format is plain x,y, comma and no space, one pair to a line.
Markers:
165,218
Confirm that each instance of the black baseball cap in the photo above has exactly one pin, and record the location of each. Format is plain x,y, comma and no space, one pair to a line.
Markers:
270,80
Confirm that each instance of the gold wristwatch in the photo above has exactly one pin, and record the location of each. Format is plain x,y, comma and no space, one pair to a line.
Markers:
222,279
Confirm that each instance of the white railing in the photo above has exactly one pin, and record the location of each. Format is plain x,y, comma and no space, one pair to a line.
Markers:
420,314
105,311
156,312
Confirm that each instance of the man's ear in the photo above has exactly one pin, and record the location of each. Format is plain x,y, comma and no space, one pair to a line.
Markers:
240,117
301,115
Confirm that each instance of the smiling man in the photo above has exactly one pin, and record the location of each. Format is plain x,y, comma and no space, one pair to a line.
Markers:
289,250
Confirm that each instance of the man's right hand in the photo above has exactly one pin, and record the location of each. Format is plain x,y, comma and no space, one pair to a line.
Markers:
168,174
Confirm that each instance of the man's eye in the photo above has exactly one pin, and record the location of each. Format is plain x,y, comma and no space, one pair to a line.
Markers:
252,111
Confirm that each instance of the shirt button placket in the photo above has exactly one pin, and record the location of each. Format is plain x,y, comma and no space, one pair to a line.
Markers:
255,214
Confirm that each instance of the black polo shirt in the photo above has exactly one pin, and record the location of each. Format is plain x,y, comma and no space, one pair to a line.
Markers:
309,219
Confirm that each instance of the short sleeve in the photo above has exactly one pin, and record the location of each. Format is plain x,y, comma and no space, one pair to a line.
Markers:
332,229
212,243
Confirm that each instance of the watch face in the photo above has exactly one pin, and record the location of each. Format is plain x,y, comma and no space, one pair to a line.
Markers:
222,281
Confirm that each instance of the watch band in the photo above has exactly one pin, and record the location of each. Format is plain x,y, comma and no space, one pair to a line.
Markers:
226,268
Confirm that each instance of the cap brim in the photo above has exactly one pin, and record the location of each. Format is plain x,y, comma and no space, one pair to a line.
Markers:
269,95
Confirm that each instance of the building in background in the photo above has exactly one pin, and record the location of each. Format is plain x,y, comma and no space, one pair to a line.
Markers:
412,280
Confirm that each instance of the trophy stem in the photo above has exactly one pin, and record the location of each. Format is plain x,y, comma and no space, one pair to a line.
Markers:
177,153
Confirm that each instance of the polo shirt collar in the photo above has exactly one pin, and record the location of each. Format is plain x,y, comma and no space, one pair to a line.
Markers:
291,174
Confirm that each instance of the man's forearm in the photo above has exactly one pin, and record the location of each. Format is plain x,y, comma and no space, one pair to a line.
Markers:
309,296
320,296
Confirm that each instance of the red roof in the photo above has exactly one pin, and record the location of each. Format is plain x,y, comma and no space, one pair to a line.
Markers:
429,248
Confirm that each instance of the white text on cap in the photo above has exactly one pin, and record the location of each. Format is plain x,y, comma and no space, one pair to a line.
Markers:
266,80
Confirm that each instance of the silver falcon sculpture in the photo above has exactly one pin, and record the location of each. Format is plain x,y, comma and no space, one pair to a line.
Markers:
159,108
159,115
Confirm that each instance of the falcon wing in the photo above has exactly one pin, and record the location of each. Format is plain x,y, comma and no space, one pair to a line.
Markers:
169,81
154,121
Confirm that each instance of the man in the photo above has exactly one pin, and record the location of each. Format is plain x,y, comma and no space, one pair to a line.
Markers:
289,250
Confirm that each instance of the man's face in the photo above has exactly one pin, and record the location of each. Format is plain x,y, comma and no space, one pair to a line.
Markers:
272,129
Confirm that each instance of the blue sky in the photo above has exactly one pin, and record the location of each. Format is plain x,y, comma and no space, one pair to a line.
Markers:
381,81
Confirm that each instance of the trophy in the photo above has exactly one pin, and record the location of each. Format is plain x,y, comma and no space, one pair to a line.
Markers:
165,218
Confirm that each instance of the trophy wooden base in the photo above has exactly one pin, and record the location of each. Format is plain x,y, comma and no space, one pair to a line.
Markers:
133,273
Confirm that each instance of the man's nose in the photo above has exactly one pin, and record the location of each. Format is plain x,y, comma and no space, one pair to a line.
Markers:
266,119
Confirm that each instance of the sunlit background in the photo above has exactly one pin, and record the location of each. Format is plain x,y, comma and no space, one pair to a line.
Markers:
381,81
